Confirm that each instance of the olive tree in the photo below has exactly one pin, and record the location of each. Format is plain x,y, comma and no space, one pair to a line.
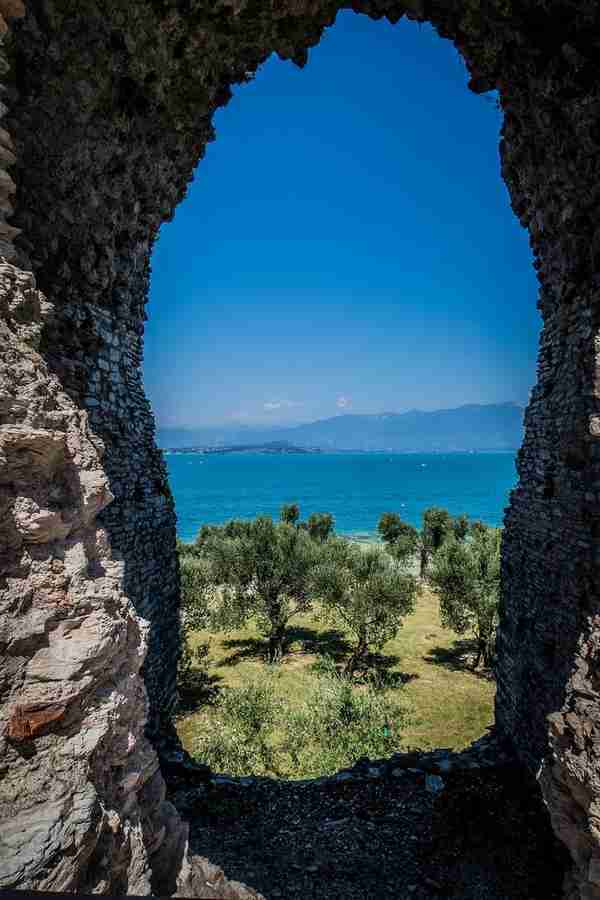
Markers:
404,541
436,529
290,513
320,526
466,576
368,591
263,570
460,527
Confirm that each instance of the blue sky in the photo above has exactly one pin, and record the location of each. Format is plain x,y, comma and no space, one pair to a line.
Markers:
346,245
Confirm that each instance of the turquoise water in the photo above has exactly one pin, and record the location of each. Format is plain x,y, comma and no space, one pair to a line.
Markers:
355,488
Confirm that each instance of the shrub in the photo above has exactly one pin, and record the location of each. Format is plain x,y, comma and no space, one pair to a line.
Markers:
249,732
339,724
237,739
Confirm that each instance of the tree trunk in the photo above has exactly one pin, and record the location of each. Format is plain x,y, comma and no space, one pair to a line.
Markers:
488,654
480,653
276,647
359,655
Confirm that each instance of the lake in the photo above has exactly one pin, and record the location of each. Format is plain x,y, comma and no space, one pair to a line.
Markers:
355,487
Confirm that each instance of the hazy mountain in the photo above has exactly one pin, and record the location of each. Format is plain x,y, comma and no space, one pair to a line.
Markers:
497,426
214,435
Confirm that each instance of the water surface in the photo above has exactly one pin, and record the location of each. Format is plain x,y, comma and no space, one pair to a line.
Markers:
355,488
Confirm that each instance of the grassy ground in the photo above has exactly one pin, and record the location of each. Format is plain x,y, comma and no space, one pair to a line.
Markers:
448,705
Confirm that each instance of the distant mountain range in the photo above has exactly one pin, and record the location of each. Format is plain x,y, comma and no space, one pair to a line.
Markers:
497,426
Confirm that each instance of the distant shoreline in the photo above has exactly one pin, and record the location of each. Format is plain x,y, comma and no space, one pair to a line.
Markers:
220,451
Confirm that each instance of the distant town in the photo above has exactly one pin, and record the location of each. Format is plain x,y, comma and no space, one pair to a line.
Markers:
269,447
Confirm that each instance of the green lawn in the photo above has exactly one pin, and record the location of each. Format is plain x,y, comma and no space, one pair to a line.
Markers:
448,705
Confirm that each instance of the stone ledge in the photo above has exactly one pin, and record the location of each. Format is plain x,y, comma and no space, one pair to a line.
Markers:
432,765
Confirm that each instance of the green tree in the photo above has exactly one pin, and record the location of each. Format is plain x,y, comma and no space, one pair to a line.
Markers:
196,590
232,529
263,569
367,591
320,526
437,527
290,513
460,527
402,539
467,578
477,527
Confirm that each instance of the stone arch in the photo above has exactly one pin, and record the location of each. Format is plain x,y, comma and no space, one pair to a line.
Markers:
107,109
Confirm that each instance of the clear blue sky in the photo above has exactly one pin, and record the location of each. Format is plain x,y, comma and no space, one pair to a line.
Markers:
346,244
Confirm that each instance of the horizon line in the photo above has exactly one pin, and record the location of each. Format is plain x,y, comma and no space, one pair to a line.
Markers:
293,423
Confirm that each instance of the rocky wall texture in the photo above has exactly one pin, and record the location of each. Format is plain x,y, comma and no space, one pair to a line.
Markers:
82,798
107,108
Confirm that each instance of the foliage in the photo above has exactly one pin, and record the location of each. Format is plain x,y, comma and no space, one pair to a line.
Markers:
193,677
262,569
460,527
238,740
320,526
367,591
477,528
235,528
404,542
424,671
197,591
338,724
192,670
334,727
402,539
467,578
437,527
290,513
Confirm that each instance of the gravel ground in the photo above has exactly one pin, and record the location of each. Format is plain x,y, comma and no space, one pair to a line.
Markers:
486,836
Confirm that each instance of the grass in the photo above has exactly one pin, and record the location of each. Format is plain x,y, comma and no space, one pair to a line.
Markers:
426,666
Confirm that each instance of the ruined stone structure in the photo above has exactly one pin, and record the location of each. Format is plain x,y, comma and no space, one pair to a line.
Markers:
106,108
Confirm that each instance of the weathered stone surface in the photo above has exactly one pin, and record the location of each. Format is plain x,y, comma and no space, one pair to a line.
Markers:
26,721
107,110
72,704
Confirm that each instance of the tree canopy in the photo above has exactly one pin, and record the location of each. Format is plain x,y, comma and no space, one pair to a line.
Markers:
404,541
263,569
467,578
400,537
318,525
290,513
368,591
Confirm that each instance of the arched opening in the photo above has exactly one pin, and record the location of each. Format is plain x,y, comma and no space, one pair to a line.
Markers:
338,254
100,155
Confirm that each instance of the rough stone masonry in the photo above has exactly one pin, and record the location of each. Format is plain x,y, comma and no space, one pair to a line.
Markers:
106,108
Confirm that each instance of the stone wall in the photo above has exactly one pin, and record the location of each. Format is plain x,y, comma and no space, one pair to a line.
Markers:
108,107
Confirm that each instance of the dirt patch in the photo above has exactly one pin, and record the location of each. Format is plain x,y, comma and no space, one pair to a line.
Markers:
486,836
